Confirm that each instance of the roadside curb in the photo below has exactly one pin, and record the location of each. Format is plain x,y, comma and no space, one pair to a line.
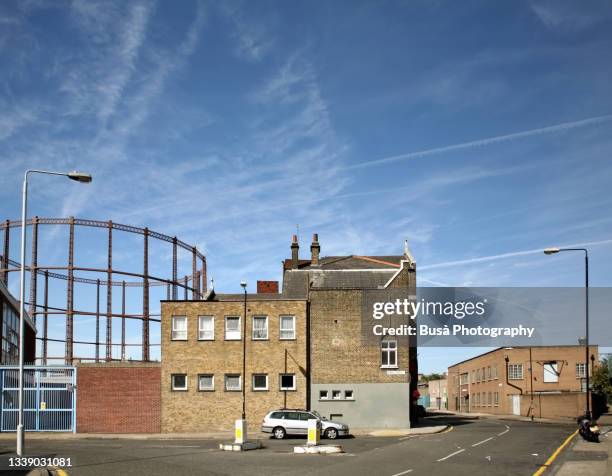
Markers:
409,431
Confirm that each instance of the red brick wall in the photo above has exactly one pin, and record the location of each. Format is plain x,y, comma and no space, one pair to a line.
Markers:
118,398
267,287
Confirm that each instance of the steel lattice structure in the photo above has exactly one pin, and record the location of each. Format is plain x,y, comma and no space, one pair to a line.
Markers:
193,285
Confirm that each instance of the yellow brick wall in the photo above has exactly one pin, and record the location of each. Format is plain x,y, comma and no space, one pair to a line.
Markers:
338,352
196,411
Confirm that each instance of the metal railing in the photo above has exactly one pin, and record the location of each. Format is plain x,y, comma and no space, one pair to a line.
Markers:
49,398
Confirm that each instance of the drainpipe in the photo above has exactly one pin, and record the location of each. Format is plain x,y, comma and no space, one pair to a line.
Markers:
512,385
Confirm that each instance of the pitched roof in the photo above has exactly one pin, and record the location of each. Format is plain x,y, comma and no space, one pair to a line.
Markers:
353,262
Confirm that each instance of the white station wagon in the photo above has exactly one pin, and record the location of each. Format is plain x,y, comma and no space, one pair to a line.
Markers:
284,422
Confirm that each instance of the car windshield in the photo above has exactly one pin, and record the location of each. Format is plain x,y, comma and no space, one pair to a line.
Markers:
318,415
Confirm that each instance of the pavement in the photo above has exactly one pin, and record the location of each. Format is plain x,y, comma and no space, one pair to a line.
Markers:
469,447
425,429
587,458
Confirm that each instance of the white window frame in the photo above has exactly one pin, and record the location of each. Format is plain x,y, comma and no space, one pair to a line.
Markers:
202,319
207,389
338,392
323,392
513,373
281,330
260,389
582,372
266,328
232,389
351,397
287,389
239,331
386,348
174,331
179,389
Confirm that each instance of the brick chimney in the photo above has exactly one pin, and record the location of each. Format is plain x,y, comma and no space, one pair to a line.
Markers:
267,287
315,250
294,252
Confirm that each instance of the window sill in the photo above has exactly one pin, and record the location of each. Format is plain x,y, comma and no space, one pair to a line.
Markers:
179,389
260,338
287,390
206,340
389,367
179,340
287,338
260,390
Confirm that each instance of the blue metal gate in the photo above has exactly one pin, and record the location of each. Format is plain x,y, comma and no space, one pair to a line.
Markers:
49,398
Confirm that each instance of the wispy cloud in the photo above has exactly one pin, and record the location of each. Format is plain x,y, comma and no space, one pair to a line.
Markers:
253,40
513,254
568,15
565,126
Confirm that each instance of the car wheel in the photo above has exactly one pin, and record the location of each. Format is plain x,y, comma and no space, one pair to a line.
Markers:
331,433
279,432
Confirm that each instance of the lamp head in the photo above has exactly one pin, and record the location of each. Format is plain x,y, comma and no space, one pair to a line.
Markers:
551,251
243,284
79,176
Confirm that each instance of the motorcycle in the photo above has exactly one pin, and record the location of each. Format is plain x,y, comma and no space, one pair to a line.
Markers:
588,430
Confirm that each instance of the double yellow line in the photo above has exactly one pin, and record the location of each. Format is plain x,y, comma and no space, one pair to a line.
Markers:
553,456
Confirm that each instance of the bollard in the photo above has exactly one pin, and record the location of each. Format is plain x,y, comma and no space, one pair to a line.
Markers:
240,431
314,432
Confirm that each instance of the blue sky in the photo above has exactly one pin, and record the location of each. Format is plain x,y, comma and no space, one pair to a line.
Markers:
474,129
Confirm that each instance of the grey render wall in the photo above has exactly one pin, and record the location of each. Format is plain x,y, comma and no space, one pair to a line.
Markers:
375,405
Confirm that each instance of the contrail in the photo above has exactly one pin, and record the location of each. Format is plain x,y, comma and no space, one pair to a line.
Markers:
483,259
484,142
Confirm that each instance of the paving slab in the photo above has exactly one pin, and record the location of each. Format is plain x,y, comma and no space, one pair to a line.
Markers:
583,468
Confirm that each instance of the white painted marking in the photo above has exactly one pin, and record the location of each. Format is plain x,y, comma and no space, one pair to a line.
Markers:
403,472
483,441
452,454
503,432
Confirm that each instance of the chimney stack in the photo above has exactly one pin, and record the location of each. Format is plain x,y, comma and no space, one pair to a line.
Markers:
315,250
294,252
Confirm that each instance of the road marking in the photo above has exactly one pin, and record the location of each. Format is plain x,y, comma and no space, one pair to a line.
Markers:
452,454
403,472
483,441
505,431
553,456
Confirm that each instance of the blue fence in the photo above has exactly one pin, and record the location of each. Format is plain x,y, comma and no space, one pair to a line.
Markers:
49,398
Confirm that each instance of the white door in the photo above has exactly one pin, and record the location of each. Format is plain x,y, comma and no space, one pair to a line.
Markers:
516,404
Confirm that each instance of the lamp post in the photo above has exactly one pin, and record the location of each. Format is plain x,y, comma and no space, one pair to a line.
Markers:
550,251
243,284
78,177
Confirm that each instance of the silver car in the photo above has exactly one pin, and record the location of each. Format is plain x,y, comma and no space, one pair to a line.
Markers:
284,422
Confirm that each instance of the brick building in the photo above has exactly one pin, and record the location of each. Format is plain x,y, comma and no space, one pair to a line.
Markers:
304,348
202,345
544,382
366,384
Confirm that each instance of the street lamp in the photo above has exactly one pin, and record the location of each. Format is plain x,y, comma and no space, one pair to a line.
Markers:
78,177
243,284
550,251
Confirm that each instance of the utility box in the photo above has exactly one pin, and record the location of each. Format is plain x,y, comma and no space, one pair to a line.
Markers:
240,431
314,432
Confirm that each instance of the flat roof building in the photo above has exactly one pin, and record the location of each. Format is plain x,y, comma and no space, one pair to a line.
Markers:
543,382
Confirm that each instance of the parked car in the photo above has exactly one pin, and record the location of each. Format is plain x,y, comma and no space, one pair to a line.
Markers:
284,422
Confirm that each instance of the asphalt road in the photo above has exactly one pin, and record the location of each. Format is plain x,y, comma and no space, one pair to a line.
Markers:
472,447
